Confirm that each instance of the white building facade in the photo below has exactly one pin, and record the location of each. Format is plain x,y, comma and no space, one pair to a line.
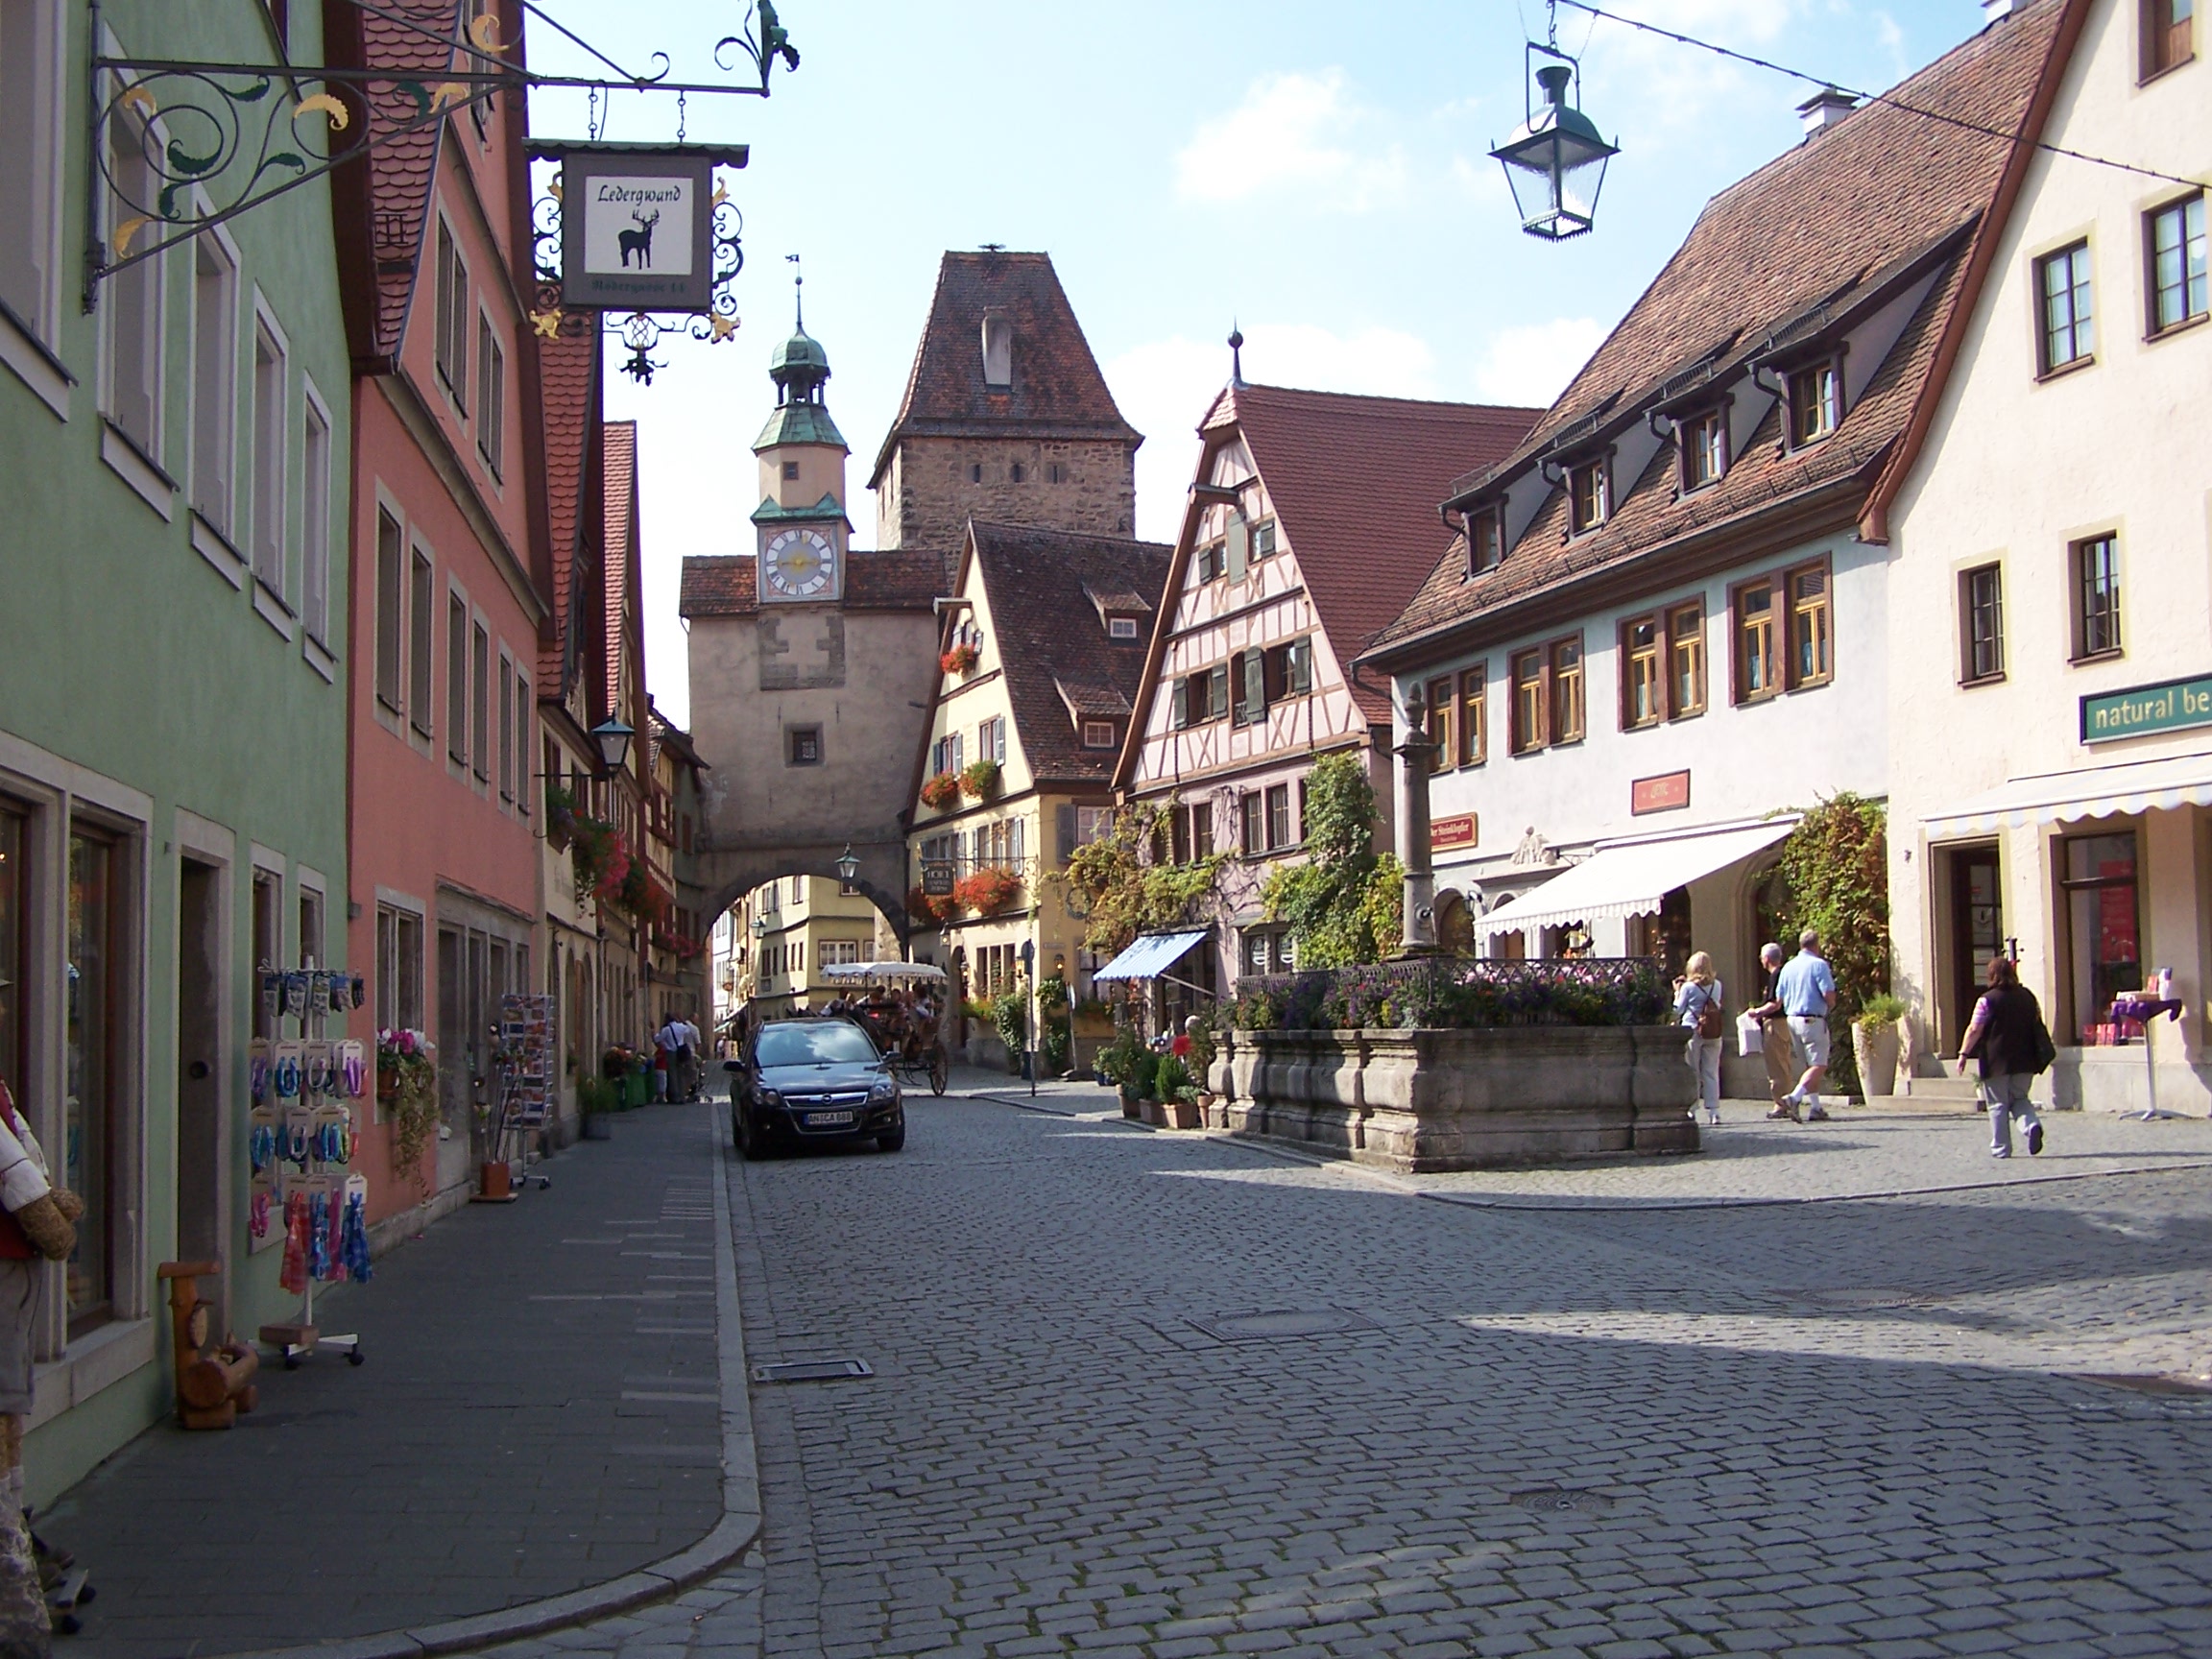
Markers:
2050,601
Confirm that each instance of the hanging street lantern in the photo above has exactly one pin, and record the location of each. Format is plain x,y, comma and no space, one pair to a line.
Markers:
613,738
1555,162
847,868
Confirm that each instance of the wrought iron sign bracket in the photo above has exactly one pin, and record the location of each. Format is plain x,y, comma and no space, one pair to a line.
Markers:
205,142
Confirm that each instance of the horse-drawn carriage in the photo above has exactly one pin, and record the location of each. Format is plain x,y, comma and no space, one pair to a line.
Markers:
891,995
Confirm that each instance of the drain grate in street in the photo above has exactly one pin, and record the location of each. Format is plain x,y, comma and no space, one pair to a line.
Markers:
1561,1501
2152,1383
1274,1324
812,1371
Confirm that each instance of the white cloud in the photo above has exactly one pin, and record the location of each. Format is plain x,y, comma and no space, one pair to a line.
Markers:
1532,363
1648,83
1297,133
1165,387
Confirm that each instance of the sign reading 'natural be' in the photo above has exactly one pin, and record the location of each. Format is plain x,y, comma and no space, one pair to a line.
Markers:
2171,705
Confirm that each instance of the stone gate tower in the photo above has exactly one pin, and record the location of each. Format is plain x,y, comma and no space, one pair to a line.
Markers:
1006,416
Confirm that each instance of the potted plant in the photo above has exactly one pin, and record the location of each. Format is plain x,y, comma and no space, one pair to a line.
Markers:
961,659
1118,1063
979,779
560,817
411,1059
1875,1042
1178,1093
594,847
597,1099
941,791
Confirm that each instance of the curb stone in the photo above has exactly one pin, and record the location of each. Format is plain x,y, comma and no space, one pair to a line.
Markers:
722,1547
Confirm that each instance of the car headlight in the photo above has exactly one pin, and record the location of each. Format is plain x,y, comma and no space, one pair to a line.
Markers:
769,1098
884,1089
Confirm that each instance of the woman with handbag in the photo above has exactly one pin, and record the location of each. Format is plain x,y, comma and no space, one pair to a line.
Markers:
2009,1039
1697,1006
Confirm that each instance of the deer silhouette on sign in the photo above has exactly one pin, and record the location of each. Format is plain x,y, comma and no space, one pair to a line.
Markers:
640,240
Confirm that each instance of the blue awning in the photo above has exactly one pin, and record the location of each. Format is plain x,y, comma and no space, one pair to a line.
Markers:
1150,955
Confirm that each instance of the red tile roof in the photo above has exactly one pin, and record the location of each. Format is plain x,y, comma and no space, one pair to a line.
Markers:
1056,390
1884,193
1355,482
1059,660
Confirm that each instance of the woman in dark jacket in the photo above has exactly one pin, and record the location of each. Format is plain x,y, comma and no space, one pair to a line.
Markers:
2008,1037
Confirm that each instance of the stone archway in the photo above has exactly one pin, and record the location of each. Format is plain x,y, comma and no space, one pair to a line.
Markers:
720,877
1455,924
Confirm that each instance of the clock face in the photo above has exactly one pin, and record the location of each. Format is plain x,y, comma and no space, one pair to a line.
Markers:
799,564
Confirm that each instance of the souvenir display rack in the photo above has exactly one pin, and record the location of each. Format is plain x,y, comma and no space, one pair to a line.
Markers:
522,1058
301,1143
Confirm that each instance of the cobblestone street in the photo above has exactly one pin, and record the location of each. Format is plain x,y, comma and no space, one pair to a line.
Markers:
1853,1427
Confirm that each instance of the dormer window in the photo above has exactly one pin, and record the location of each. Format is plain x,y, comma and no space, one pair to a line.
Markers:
998,350
1704,448
1097,734
1120,627
1589,494
1485,538
1815,403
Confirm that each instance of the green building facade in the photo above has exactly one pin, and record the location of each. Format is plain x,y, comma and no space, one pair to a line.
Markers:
172,469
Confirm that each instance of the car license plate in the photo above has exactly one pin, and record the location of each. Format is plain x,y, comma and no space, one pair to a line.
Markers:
828,1119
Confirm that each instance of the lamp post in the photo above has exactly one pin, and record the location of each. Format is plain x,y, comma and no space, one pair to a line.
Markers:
848,869
1555,160
611,736
1417,929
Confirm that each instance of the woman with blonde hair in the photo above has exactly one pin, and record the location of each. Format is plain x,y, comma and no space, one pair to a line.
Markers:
1697,1006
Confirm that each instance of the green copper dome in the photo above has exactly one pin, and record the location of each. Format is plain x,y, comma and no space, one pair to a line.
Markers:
799,355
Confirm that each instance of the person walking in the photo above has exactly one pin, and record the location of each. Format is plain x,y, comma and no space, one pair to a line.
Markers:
1697,1007
1807,988
667,1052
1775,1032
2009,1040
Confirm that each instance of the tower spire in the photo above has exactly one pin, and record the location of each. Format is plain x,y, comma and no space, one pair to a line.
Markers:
1236,354
798,294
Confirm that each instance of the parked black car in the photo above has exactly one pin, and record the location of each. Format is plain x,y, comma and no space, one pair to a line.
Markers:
806,1081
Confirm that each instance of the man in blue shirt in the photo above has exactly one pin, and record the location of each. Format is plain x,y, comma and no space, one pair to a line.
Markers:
1806,991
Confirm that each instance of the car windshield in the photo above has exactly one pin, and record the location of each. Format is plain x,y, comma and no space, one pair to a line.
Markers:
832,1042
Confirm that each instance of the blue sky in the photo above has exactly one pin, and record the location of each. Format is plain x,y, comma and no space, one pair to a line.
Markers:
1317,173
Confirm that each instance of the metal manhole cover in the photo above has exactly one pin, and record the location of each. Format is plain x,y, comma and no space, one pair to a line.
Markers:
812,1371
1273,1324
1561,1501
2188,1388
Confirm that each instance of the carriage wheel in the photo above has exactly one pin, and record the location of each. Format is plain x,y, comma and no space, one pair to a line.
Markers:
940,1072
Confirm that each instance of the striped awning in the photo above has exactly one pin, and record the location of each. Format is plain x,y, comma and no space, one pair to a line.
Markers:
2132,786
1150,955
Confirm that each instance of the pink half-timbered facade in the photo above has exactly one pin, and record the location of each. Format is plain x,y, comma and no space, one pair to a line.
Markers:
1312,519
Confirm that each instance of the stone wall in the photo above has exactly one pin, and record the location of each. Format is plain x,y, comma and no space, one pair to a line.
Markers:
1425,1101
929,492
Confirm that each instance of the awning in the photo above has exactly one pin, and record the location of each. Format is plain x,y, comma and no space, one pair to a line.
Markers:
1632,880
2087,792
1150,955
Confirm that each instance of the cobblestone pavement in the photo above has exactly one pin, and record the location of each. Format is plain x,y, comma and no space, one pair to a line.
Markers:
539,1411
1851,1427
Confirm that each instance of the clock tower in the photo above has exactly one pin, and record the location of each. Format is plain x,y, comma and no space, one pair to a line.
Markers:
804,536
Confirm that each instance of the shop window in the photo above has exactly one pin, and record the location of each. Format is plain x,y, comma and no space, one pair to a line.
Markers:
457,679
2096,565
2066,331
480,700
1474,716
90,1141
2167,42
2104,946
214,377
1686,653
1704,448
1485,538
2174,237
1436,726
1589,493
1982,624
422,619
131,298
390,588
1815,403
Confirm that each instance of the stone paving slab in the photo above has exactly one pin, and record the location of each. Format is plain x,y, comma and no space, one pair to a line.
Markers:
1578,1431
525,1427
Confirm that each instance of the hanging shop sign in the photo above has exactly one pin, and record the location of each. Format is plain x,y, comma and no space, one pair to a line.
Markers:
635,230
2170,705
937,878
1458,830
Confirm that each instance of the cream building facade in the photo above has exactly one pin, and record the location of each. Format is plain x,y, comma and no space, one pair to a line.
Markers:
786,931
2051,681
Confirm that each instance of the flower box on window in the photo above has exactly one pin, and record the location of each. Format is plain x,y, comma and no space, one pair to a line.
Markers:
941,792
988,892
979,779
960,660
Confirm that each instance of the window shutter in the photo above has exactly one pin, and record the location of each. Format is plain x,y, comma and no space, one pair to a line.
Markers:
1240,546
1255,685
1217,691
1181,718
